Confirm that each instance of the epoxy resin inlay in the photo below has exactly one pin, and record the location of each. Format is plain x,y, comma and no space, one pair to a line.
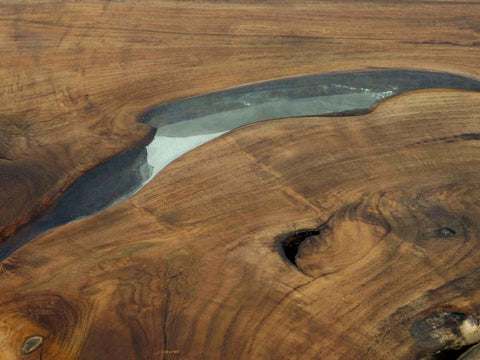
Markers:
185,124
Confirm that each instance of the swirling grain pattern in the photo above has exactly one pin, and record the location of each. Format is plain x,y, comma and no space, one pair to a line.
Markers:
76,74
196,270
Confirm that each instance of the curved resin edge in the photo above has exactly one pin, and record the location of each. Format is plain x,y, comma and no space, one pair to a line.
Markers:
190,123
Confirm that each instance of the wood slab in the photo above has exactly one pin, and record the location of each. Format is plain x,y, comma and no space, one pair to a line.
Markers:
192,267
76,74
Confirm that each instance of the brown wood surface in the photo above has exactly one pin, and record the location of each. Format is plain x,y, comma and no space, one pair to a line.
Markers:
76,74
192,268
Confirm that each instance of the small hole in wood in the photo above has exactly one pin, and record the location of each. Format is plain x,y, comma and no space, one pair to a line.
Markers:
32,344
446,232
291,244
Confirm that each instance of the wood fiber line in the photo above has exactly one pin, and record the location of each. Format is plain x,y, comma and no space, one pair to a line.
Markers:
76,74
192,266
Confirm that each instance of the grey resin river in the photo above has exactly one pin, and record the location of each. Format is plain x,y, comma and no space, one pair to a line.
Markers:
185,124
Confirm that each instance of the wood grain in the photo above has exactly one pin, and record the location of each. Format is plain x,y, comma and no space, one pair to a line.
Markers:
192,266
76,74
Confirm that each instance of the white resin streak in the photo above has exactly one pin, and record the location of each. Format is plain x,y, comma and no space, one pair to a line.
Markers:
174,140
163,149
168,144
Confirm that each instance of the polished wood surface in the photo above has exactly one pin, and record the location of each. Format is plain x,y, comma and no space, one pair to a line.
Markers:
76,74
192,267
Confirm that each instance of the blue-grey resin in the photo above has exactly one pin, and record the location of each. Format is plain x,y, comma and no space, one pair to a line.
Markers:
185,124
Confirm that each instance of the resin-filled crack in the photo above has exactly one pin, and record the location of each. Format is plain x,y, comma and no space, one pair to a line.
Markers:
185,124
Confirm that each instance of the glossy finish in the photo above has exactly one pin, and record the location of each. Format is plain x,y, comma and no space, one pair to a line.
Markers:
185,124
